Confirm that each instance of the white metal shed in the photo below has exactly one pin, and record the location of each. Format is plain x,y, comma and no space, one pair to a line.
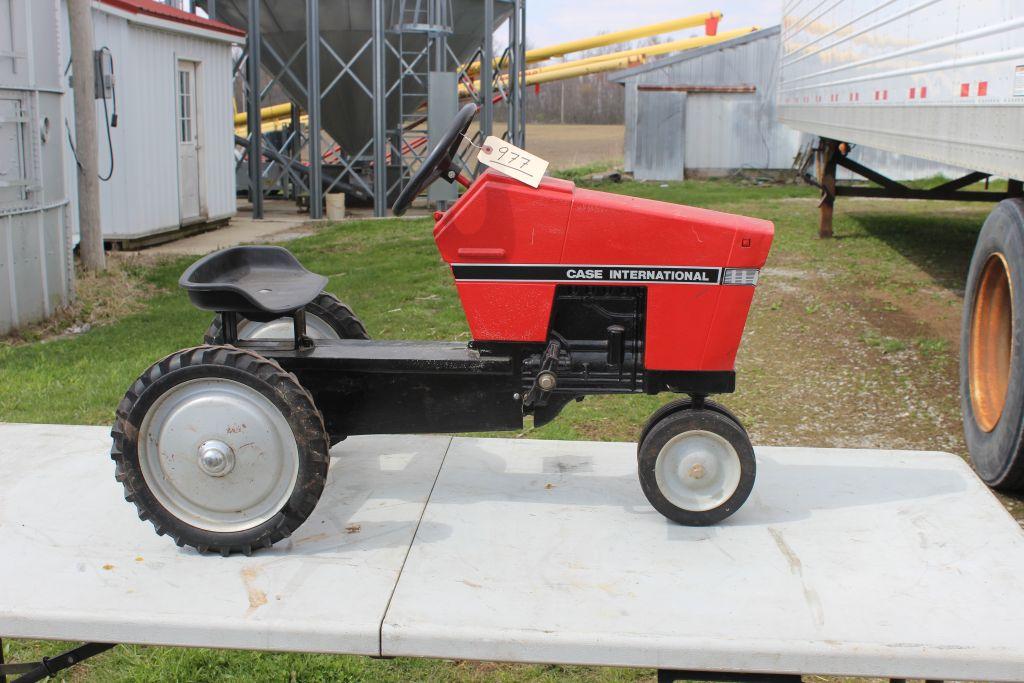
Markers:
707,111
173,146
712,110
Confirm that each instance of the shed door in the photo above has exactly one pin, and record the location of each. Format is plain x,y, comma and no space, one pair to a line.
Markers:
188,142
659,152
726,131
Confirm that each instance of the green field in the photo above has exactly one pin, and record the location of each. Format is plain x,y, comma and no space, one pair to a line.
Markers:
851,342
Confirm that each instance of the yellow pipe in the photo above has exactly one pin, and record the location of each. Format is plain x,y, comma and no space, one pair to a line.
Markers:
271,125
615,60
584,69
539,54
567,70
274,111
611,62
684,44
649,50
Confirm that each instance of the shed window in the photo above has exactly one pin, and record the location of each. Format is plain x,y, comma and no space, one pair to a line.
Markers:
185,133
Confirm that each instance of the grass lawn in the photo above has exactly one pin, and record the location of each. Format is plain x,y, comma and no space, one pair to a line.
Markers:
851,342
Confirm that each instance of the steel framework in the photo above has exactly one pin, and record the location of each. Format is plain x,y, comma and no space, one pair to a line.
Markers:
407,41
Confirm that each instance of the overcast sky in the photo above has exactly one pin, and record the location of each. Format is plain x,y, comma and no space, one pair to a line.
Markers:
555,21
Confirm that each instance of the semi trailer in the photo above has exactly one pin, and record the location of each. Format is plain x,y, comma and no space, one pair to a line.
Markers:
940,80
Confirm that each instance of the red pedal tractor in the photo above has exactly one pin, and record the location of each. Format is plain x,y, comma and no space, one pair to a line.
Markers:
568,293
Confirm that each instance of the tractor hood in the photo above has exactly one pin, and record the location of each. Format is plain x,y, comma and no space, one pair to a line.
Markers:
500,220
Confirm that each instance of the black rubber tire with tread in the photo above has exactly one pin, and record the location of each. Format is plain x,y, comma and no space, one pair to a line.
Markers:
687,420
326,306
998,455
684,404
280,387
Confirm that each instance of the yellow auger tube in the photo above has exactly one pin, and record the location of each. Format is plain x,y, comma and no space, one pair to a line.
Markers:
539,54
649,50
271,125
274,111
567,70
616,60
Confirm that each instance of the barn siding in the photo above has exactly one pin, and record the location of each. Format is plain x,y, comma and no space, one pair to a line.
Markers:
723,132
729,131
660,151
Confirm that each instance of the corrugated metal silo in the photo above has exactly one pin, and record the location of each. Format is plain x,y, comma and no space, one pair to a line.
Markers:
36,272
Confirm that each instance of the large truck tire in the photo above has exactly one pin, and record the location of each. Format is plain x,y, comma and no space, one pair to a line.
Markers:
991,339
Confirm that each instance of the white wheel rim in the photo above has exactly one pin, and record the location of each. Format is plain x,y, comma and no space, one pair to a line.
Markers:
218,455
697,470
284,328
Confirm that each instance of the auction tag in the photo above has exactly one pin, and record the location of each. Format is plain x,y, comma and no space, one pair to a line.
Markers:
514,162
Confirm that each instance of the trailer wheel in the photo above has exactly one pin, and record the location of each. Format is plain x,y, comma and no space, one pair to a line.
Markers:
220,449
326,318
696,466
991,367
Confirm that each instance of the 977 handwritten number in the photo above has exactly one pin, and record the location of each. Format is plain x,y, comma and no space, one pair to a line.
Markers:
513,157
512,161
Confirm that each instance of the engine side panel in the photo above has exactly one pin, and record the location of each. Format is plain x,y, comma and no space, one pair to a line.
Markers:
501,311
690,326
500,221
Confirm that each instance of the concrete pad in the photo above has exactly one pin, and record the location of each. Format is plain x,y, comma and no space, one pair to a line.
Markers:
867,563
282,221
77,564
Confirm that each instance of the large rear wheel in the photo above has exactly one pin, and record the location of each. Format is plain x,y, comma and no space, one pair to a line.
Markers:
220,449
327,317
991,367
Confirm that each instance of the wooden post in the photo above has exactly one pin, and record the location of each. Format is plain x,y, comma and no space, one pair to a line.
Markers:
89,227
826,166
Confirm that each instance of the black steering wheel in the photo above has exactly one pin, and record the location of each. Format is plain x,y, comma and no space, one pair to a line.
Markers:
438,163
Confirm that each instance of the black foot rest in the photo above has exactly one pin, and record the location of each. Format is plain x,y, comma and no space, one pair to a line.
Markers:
253,280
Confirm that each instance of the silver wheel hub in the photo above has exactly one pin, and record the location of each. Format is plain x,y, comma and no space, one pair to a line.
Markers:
283,328
697,470
216,458
218,454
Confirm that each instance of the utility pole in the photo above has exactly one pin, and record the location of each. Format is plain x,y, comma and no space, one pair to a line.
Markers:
89,228
561,107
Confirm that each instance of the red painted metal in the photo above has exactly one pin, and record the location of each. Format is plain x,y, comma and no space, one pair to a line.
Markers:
163,11
689,326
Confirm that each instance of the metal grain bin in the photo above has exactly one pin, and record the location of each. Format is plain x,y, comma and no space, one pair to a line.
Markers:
345,29
36,272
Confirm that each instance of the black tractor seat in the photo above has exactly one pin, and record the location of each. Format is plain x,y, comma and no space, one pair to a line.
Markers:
258,282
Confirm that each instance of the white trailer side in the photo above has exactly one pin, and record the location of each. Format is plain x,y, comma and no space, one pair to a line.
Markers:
936,79
942,80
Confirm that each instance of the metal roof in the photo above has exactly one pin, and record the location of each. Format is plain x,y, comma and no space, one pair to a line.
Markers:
159,10
620,76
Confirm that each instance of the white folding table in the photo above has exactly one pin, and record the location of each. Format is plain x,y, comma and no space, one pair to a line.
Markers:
849,562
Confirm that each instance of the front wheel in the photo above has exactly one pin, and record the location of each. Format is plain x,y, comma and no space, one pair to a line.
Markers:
220,449
696,466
